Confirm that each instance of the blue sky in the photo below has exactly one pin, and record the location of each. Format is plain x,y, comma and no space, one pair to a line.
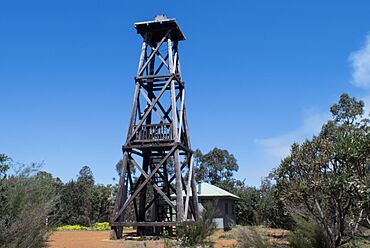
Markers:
259,76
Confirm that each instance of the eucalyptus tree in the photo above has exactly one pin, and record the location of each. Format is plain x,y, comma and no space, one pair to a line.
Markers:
326,179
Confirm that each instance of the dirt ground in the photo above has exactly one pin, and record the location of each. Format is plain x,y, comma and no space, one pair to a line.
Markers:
92,239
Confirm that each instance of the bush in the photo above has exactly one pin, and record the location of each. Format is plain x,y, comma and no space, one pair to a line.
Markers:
307,234
251,238
29,198
195,233
102,226
72,228
192,233
168,242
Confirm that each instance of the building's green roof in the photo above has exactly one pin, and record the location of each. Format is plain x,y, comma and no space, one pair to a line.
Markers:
209,190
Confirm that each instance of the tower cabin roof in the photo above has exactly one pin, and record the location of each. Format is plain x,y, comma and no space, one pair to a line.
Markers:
153,31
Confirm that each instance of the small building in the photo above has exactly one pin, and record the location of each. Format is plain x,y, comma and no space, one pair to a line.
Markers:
222,200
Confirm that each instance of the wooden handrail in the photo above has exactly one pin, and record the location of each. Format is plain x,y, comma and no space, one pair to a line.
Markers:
154,132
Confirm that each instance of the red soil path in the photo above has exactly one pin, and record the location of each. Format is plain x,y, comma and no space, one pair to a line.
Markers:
95,239
92,239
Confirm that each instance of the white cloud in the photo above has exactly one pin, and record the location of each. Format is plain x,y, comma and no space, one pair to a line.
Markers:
366,100
279,146
360,63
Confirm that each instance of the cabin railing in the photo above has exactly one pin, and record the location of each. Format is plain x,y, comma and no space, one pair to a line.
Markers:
153,133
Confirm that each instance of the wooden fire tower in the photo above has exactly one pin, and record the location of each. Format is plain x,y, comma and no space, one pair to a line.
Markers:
157,188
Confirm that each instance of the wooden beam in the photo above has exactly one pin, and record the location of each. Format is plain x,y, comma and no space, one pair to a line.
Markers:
138,78
186,130
149,204
175,62
162,59
188,187
144,183
148,111
154,185
179,199
152,95
150,103
164,179
133,110
161,65
142,55
136,152
152,54
143,190
157,145
182,167
146,224
178,67
164,112
131,186
170,107
121,194
181,113
193,183
185,148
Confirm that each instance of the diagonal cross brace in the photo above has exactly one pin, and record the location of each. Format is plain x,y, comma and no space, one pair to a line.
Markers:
152,54
182,167
150,103
169,185
158,103
166,113
161,65
144,183
161,58
164,196
150,109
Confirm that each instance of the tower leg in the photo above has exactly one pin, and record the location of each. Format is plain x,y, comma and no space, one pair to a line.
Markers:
142,196
179,197
195,197
116,232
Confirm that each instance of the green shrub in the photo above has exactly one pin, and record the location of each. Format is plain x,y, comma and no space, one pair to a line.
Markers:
72,228
168,242
251,238
101,226
357,242
196,233
26,199
192,233
307,234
